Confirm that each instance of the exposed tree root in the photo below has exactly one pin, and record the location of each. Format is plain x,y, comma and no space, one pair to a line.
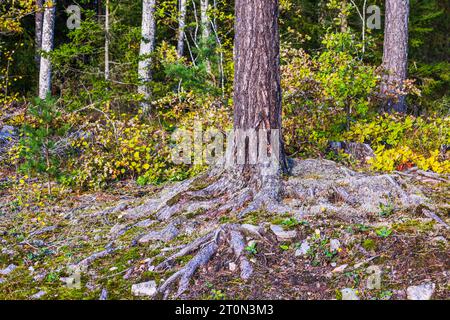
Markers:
207,247
313,187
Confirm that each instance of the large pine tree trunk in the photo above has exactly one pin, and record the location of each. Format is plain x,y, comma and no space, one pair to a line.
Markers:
147,47
38,29
257,90
395,55
48,30
181,27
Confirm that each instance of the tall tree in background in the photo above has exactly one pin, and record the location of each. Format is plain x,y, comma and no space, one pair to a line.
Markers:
147,47
39,16
206,25
48,31
181,27
257,90
395,54
107,40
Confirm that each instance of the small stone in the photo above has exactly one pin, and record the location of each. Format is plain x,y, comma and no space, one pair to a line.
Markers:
144,289
333,264
8,269
335,245
421,292
303,250
40,276
113,269
232,266
281,234
349,294
104,294
340,268
251,228
2,280
38,295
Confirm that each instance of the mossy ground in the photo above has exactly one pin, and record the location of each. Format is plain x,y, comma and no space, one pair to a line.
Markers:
408,248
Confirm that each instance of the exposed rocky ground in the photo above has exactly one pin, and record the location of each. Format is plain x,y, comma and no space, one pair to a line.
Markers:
342,235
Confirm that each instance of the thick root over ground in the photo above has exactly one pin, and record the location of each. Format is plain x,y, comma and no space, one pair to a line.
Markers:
312,188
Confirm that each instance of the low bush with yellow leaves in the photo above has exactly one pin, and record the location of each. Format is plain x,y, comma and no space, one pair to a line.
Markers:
402,141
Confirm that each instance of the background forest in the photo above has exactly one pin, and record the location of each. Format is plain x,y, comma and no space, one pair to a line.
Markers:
96,129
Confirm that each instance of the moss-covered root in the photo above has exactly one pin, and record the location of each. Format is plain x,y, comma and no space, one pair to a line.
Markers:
206,246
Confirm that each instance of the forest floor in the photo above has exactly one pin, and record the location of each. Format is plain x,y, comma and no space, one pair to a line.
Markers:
345,229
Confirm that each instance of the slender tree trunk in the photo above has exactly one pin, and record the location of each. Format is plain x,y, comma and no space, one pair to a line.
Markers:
48,30
343,16
147,47
99,10
395,55
257,90
206,24
107,70
181,27
38,30
206,27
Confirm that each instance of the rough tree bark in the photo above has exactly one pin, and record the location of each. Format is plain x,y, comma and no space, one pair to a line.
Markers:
257,90
147,47
38,30
395,55
48,30
181,27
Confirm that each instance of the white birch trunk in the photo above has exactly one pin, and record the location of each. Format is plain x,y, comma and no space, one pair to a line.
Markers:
147,47
48,31
206,27
107,71
38,30
181,27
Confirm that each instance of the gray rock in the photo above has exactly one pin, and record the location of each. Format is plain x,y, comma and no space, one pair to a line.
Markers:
250,228
144,289
421,292
349,294
2,280
340,268
303,250
281,234
40,276
38,295
335,245
8,269
104,295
